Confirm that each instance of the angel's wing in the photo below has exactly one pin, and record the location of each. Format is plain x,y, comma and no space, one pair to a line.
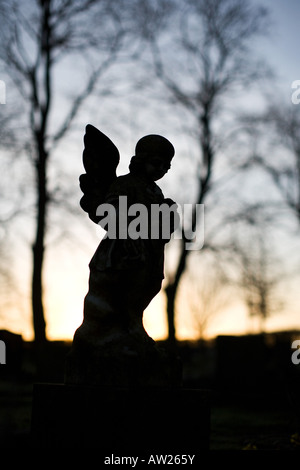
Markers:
100,160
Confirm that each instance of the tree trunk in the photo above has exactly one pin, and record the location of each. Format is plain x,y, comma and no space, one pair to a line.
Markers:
39,323
40,113
171,291
208,155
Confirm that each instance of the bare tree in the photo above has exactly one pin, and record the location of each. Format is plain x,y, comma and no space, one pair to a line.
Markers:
281,160
206,60
36,40
260,274
8,209
207,293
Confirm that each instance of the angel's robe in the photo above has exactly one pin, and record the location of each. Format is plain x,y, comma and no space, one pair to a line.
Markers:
126,253
111,347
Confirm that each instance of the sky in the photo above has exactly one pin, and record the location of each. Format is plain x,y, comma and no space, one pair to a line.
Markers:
282,52
65,301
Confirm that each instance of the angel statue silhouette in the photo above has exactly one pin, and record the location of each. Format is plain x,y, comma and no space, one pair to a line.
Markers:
111,347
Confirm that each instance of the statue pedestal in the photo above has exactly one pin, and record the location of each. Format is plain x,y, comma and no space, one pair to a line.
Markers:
137,421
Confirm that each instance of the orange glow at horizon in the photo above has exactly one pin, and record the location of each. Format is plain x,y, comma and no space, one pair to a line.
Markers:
64,299
234,321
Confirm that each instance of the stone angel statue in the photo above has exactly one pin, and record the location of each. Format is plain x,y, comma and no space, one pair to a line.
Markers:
111,347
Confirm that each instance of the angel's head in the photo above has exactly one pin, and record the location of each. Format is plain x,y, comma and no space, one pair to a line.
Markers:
153,156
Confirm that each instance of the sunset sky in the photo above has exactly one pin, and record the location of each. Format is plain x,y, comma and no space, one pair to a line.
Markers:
282,51
66,272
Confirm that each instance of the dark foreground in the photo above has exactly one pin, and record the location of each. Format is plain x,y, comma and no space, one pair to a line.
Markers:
243,425
251,409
